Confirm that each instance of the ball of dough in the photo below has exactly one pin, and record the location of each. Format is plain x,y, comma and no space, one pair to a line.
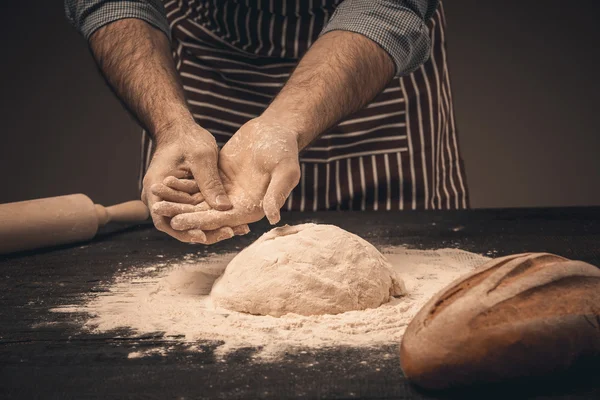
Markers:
306,269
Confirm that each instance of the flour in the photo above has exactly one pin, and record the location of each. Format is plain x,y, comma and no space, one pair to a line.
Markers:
159,298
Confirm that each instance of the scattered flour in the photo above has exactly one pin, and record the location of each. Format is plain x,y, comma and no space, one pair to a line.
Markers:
162,298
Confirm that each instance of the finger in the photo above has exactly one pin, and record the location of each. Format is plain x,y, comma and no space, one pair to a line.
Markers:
188,186
197,198
207,220
207,177
283,180
162,224
224,233
169,209
202,206
217,235
241,230
157,171
180,173
166,193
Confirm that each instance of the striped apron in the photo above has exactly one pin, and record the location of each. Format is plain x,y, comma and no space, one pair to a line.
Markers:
400,152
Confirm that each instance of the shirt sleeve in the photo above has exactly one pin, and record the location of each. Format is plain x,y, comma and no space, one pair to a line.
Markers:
398,26
87,16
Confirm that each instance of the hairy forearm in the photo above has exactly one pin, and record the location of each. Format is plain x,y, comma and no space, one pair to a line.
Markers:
135,58
340,74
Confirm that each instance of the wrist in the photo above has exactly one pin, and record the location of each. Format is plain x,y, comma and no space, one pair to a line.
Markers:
174,127
272,128
290,121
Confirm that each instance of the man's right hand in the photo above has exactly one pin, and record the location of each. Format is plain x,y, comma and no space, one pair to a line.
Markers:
186,150
136,60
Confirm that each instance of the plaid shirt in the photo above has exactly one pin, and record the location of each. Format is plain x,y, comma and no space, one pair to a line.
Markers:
398,26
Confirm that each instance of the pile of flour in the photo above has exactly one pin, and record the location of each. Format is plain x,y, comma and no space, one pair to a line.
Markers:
162,298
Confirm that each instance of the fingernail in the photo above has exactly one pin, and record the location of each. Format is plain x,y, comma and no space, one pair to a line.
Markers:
222,200
226,234
178,223
198,236
241,230
274,219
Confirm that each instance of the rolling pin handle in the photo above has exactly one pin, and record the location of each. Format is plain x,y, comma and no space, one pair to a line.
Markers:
102,215
131,211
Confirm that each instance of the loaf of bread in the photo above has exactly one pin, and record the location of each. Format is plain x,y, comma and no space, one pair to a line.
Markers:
517,316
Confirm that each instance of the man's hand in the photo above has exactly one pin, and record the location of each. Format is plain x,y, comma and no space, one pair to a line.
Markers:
259,168
135,58
259,165
182,195
183,151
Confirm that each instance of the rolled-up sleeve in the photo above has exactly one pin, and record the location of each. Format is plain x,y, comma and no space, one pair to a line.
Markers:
87,16
398,26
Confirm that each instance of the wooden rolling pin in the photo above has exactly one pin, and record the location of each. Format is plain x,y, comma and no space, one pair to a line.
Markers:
32,224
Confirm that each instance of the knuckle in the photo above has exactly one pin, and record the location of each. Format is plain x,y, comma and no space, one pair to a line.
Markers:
211,185
210,140
295,175
149,180
209,151
170,180
178,174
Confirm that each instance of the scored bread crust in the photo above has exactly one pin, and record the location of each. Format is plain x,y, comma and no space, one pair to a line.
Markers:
521,315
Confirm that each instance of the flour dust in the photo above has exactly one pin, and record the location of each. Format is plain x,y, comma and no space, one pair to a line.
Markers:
162,299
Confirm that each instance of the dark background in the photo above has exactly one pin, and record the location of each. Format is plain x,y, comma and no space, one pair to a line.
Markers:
524,75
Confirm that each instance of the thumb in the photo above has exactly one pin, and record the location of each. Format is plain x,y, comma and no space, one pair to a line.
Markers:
283,180
206,174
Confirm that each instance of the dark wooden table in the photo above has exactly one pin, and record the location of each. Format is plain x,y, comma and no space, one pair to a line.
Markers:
45,354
